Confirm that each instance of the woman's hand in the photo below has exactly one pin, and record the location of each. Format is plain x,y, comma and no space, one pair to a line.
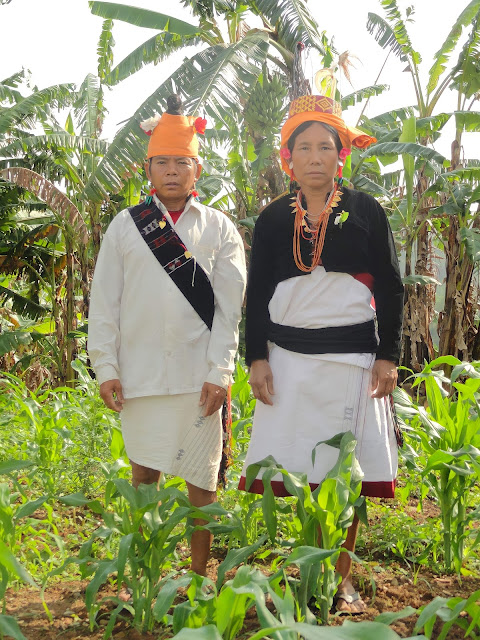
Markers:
261,381
384,378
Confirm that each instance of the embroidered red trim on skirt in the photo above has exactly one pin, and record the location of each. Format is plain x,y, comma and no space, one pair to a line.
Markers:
370,489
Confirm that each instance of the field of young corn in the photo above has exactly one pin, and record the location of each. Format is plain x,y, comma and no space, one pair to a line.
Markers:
74,531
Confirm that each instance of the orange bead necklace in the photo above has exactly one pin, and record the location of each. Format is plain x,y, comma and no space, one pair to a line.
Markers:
318,238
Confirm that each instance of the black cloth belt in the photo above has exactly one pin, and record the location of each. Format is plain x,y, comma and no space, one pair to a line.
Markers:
354,338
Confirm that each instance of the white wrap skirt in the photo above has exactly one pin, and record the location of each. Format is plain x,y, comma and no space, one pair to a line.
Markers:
318,396
170,434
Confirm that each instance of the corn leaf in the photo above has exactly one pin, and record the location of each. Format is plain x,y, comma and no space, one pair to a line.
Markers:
9,627
11,564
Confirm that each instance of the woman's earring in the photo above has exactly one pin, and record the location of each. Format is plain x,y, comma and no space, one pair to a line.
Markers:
340,172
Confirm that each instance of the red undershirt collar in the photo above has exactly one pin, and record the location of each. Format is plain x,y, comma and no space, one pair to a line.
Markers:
175,215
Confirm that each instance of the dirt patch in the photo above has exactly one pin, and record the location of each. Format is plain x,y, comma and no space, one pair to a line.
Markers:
393,591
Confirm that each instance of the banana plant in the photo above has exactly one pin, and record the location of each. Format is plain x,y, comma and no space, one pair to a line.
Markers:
74,149
424,231
215,81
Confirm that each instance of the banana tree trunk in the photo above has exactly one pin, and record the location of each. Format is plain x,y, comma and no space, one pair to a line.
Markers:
419,305
95,229
456,326
70,316
425,293
459,335
274,177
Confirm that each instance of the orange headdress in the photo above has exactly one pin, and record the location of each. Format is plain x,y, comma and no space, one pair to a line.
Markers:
173,135
320,109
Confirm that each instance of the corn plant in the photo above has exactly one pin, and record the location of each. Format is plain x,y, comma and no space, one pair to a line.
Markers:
238,526
226,609
142,529
10,568
449,611
58,437
22,534
297,630
243,405
461,612
327,510
444,438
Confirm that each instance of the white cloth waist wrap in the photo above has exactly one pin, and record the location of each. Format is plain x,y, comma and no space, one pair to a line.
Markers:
170,434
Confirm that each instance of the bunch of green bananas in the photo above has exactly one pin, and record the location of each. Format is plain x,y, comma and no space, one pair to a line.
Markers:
266,106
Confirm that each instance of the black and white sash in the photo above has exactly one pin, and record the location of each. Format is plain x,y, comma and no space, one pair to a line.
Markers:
177,261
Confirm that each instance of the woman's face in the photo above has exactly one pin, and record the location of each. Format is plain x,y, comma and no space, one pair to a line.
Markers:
315,158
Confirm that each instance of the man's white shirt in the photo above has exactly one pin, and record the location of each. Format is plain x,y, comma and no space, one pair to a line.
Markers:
142,329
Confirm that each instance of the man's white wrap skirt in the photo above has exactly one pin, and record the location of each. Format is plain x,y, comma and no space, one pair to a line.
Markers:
319,396
170,434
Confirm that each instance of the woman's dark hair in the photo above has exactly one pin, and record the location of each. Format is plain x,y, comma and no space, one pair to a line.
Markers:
174,105
302,127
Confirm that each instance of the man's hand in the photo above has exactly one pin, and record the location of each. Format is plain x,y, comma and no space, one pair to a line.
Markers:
211,398
112,394
384,378
261,381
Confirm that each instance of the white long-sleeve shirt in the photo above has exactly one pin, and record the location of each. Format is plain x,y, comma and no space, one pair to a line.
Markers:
142,329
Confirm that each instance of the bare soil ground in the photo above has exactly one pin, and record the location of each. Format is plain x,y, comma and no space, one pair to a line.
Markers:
65,600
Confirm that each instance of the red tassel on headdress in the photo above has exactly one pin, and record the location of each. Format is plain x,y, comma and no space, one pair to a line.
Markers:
200,125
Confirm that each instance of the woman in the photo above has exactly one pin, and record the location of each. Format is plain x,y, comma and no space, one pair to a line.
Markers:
318,363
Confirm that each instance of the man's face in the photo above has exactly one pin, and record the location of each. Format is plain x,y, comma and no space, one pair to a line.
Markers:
172,176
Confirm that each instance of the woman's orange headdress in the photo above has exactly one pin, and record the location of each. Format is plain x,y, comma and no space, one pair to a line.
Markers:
320,109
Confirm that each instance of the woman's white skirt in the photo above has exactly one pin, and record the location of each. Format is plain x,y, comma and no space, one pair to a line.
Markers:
317,397
170,434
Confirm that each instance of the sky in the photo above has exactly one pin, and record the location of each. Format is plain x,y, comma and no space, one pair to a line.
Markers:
57,40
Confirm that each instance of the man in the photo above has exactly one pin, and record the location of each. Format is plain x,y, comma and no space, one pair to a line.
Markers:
163,324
